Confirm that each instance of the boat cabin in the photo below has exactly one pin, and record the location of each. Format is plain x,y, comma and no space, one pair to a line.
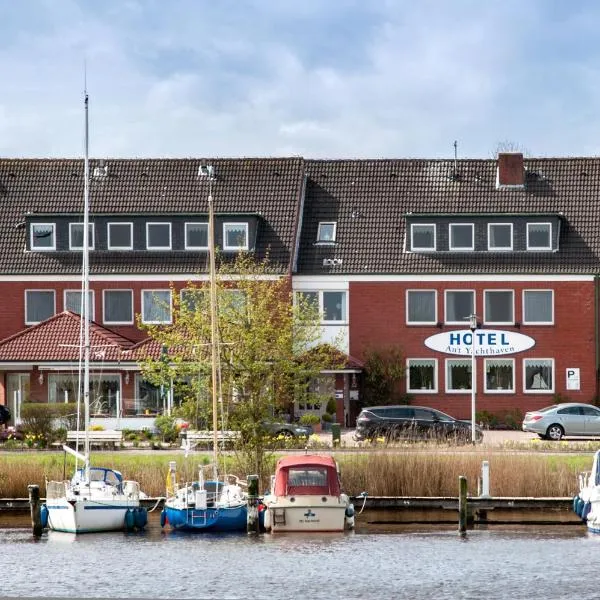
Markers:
306,476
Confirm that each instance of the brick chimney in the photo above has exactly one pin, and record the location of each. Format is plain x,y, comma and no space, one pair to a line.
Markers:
510,170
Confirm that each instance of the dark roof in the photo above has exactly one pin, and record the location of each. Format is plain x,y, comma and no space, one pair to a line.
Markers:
270,187
369,200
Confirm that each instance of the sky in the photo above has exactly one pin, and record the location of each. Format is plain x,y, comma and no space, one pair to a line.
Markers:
312,78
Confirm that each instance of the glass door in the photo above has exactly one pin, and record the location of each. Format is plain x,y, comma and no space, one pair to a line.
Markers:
17,393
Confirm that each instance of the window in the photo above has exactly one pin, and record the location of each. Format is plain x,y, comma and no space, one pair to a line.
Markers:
235,236
332,305
499,375
43,236
156,306
539,375
458,375
193,299
39,305
499,307
421,307
120,236
500,236
76,236
326,232
538,307
460,305
103,391
422,237
539,236
422,374
233,305
158,236
196,236
118,307
461,236
73,302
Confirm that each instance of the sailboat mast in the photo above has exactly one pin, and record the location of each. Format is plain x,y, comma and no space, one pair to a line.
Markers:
85,308
213,316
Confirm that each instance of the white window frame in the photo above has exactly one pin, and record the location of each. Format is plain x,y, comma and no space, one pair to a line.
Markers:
114,247
53,292
226,227
435,308
453,248
537,248
32,237
431,390
448,363
496,389
485,316
322,305
499,248
462,322
189,246
155,291
423,249
525,321
73,291
91,236
320,232
549,390
107,291
162,224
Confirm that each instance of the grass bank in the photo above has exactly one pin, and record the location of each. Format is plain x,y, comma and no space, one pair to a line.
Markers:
378,473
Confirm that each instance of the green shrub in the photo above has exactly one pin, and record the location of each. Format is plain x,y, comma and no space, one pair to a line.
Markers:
309,419
41,419
331,406
167,428
327,418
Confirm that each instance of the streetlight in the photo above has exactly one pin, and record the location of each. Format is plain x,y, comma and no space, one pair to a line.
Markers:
473,328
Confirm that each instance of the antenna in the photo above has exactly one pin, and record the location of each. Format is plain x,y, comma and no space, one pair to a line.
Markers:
455,158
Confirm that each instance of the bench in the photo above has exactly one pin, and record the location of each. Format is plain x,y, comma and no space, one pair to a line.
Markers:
105,437
191,439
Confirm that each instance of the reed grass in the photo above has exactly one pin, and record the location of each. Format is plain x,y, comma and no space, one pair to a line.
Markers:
398,473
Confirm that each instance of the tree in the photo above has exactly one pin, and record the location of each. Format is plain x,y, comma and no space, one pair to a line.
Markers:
264,339
384,369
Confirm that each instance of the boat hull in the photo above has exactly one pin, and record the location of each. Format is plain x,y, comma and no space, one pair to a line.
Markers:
231,518
306,514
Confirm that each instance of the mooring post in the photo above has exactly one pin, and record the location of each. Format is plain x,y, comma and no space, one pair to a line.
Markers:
462,504
34,506
253,521
485,479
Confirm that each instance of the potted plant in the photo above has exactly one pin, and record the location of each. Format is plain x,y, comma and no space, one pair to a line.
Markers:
327,420
311,420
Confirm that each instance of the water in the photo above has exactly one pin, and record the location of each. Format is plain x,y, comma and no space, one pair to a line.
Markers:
387,562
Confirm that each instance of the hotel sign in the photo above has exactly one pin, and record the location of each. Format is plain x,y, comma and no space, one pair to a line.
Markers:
488,342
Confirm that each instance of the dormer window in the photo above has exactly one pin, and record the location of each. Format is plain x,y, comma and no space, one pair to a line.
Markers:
196,236
422,237
326,232
158,236
461,237
76,236
43,236
120,236
235,236
539,236
500,237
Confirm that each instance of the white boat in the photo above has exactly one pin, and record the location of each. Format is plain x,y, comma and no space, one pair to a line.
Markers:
586,503
216,504
95,499
306,495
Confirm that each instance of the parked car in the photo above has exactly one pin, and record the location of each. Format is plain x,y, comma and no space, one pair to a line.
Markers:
4,414
565,419
287,429
411,422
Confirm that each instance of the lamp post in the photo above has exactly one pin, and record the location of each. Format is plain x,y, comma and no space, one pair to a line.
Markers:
473,328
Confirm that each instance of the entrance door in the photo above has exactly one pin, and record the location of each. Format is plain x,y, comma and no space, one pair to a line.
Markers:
17,392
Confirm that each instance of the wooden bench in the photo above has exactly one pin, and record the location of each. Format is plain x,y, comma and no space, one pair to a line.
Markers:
191,439
104,437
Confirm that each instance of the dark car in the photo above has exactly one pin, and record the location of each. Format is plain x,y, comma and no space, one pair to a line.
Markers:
411,422
286,429
4,414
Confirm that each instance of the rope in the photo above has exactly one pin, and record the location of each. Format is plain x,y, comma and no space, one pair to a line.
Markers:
364,495
157,503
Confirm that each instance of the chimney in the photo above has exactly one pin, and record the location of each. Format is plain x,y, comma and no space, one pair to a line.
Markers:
510,171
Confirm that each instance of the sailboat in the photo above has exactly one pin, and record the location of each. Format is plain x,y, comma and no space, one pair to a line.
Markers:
96,498
215,504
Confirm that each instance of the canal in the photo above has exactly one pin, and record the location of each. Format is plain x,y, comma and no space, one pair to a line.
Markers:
380,560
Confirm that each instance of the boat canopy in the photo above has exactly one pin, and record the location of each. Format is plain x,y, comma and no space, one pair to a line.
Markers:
307,475
109,476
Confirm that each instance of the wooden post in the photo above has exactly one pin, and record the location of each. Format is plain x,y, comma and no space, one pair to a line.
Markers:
253,521
34,505
462,505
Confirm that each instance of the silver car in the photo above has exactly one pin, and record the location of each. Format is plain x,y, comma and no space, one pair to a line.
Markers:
567,419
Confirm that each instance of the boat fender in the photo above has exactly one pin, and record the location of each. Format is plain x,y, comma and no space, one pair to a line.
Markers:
266,519
575,503
350,510
44,516
129,520
586,510
580,506
163,518
141,517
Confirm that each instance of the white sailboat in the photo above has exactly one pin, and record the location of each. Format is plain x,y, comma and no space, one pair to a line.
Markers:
214,504
96,498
